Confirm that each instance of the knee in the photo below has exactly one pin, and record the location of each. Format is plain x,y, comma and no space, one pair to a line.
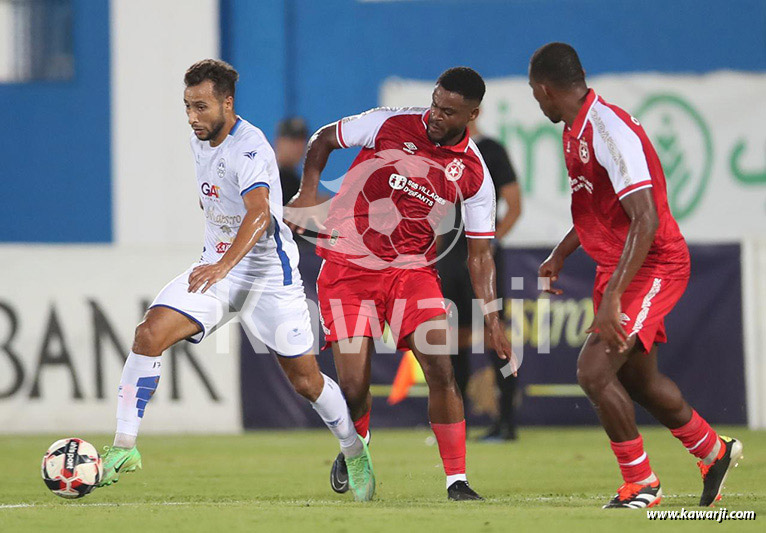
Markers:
591,380
355,392
439,374
308,386
146,340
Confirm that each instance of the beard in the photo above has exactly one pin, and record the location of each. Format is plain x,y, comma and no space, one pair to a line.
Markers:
449,134
215,128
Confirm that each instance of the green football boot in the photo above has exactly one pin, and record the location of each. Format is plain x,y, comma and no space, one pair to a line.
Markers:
361,478
116,461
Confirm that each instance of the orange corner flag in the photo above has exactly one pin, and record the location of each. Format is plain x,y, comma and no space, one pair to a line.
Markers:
407,375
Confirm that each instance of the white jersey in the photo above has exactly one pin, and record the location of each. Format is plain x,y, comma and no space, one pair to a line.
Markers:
241,163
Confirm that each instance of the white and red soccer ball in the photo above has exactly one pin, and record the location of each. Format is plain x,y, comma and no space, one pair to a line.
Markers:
72,468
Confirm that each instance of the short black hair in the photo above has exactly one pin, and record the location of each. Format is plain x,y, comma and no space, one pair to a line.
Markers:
223,76
558,64
463,80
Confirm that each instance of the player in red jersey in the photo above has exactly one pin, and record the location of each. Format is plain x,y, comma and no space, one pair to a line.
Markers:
622,220
418,162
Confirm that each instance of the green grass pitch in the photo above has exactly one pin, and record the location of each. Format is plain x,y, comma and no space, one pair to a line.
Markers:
550,480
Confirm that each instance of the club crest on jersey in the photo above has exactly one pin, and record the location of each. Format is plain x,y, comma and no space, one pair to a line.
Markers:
410,148
584,151
221,168
454,170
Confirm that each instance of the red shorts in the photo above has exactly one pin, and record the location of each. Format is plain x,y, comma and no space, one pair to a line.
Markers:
355,302
644,304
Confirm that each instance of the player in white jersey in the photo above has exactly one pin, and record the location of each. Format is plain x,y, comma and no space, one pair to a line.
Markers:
249,267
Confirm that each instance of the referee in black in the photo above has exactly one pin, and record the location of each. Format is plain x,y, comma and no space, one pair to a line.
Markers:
456,282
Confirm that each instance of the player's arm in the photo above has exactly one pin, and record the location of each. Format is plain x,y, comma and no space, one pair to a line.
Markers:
481,267
479,220
357,130
320,146
255,222
644,222
512,196
555,261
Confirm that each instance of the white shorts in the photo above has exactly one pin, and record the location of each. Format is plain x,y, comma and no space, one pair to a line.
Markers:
274,313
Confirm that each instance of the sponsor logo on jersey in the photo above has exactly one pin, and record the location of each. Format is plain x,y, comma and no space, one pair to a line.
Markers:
580,182
410,148
251,154
415,189
454,170
222,220
584,151
221,168
624,319
221,247
211,191
397,181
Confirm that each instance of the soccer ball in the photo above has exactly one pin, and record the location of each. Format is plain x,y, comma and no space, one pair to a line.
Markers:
71,468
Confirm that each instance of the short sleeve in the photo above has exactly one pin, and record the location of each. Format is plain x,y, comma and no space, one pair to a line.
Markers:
619,150
362,129
479,209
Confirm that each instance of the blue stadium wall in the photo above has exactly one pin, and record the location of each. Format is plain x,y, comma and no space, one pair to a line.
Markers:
55,142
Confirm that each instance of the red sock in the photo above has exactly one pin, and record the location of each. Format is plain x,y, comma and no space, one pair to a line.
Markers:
633,460
451,439
697,436
363,425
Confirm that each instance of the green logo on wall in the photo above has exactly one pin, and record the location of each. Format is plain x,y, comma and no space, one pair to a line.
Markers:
684,146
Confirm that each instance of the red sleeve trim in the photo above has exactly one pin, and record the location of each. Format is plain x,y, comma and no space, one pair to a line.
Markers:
339,135
632,188
479,234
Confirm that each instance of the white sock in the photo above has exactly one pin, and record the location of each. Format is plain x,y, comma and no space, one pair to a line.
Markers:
455,477
648,481
332,409
140,376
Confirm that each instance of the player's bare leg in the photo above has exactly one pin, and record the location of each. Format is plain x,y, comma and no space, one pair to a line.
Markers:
161,328
304,375
353,369
597,374
653,390
445,405
659,395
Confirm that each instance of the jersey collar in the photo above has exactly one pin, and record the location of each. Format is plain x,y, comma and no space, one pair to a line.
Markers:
460,147
235,127
578,126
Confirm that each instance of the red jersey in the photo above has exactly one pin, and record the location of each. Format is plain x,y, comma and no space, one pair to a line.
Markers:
609,156
401,192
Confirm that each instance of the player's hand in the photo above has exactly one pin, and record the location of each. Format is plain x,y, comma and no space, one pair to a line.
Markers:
299,215
607,324
205,276
550,270
501,345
